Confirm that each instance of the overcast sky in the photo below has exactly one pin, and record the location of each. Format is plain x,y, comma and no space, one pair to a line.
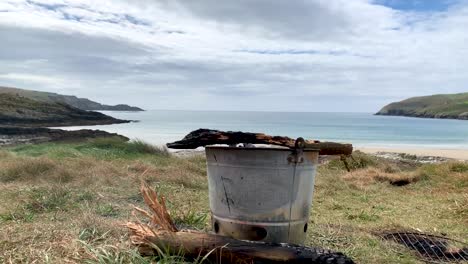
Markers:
280,55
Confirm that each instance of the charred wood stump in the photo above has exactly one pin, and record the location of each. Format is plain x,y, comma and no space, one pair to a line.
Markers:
204,137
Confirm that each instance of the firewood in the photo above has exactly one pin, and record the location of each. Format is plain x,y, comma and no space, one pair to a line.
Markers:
204,137
160,234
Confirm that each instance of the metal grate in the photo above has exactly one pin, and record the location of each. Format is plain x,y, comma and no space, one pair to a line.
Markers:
431,248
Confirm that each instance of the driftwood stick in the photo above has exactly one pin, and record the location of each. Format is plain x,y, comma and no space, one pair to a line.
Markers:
204,137
161,235
192,245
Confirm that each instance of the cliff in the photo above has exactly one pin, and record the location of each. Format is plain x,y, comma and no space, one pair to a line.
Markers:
452,106
80,103
20,111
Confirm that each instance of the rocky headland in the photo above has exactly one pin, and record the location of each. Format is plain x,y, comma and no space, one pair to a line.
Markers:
80,103
448,106
25,120
29,135
24,112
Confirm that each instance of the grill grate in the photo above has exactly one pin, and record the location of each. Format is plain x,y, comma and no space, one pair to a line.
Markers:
431,248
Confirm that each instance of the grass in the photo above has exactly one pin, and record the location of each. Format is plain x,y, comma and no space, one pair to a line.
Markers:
67,202
101,148
192,220
134,147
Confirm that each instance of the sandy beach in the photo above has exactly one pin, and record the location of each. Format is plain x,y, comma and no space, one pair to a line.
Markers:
459,154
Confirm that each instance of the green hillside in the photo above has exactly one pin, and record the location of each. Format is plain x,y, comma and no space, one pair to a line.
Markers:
17,110
81,103
453,106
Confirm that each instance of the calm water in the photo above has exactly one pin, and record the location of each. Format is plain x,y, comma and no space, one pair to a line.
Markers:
361,129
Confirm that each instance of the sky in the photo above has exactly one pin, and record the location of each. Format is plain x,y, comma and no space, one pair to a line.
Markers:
243,55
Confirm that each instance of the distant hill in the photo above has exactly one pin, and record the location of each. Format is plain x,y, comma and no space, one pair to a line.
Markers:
16,110
453,106
80,103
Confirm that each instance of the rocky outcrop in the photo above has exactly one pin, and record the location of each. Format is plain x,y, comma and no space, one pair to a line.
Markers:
28,135
447,106
24,112
80,103
23,120
86,104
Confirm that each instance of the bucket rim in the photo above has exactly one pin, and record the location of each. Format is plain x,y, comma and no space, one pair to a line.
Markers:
261,148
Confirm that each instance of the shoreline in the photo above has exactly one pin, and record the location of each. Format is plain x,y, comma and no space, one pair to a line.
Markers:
11,135
423,154
457,154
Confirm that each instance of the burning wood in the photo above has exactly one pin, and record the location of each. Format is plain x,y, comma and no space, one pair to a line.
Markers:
204,137
161,233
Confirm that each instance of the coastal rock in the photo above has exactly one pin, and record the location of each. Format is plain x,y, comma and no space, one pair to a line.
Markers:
16,110
80,103
29,135
446,106
463,116
410,158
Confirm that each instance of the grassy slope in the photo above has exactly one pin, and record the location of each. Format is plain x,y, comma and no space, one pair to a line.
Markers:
18,110
438,106
67,201
40,96
81,103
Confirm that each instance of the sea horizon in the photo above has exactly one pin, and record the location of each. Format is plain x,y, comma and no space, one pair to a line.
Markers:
362,129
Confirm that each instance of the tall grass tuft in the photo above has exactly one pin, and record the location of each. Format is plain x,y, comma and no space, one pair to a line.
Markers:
4,154
46,200
191,219
131,147
460,167
39,201
140,146
358,160
114,255
109,254
25,169
364,177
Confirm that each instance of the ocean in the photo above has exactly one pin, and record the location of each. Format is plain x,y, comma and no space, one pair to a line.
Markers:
361,129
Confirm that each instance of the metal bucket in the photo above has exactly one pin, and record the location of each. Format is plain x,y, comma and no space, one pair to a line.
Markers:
261,194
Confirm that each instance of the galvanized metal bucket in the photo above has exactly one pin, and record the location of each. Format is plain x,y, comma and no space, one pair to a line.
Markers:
261,194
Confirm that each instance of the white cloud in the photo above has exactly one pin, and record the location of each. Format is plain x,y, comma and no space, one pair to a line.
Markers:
247,54
33,79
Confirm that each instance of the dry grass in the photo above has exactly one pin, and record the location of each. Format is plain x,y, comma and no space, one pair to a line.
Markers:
350,207
60,202
4,154
65,203
370,176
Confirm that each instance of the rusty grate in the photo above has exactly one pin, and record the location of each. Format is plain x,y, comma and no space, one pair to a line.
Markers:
431,248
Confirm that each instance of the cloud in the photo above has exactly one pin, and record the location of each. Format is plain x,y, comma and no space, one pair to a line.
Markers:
234,55
297,19
32,78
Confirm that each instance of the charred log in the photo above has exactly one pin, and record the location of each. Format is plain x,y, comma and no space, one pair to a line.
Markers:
161,234
204,137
